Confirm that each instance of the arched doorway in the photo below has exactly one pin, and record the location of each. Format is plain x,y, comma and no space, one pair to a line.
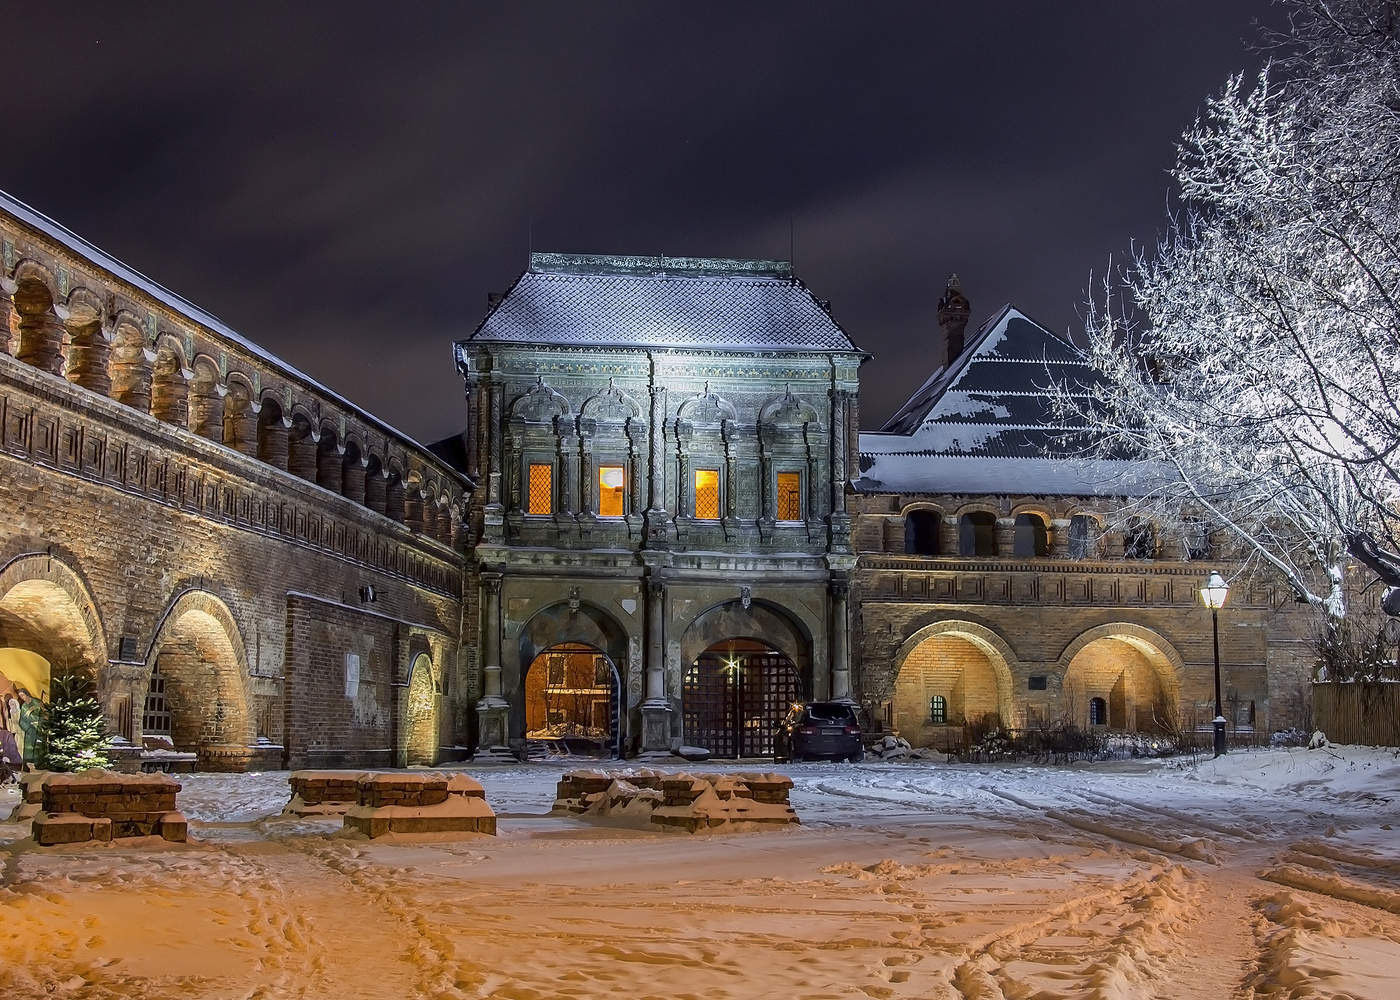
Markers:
420,737
735,695
1121,682
48,626
952,675
196,696
572,650
573,694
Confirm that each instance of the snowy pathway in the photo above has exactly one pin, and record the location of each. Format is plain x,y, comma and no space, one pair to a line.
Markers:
1265,874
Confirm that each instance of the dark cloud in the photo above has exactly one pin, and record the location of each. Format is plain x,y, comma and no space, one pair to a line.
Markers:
345,185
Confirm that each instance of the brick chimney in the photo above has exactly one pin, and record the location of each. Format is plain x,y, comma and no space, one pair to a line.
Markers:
953,311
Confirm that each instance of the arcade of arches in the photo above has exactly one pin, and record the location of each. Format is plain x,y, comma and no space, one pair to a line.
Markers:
957,678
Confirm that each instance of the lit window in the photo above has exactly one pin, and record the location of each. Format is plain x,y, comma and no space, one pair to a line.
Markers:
707,494
789,496
611,481
938,709
541,498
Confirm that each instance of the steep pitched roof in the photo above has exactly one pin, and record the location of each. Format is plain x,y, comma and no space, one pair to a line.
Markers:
676,302
985,424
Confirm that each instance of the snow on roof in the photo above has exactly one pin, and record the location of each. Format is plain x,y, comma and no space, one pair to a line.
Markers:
985,424
669,302
37,220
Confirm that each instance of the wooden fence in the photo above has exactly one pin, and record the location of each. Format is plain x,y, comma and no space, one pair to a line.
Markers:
1358,712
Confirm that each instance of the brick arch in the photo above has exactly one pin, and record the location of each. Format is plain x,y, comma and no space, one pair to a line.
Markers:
27,269
558,623
1164,658
1000,657
975,507
198,648
57,605
418,739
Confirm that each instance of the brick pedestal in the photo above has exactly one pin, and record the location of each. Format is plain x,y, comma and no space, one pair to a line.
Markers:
103,805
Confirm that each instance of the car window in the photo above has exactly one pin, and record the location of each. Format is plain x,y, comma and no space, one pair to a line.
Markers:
826,712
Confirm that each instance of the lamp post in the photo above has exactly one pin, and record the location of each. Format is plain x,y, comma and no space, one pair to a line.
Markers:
1213,596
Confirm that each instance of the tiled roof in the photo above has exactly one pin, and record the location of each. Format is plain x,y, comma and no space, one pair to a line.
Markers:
662,302
986,424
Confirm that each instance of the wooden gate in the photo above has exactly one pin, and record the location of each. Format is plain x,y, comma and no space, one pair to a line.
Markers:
733,702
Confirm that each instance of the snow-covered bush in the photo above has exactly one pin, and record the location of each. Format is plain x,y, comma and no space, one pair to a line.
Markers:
1289,738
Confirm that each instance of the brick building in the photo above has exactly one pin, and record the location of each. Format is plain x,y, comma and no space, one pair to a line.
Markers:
257,570
996,582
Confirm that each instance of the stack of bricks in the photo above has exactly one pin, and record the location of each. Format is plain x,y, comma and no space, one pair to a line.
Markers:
691,802
104,805
323,793
420,803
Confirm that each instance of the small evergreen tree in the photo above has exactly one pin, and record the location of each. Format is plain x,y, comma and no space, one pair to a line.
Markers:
74,733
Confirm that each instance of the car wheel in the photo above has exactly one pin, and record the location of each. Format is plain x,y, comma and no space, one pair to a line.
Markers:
857,757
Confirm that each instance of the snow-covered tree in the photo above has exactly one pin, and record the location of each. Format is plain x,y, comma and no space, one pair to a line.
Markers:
1253,356
74,731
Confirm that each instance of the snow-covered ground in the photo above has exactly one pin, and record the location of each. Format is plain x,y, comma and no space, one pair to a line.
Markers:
1264,874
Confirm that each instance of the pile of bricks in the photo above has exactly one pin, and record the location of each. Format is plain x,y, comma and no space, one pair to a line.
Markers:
323,793
420,803
104,805
691,802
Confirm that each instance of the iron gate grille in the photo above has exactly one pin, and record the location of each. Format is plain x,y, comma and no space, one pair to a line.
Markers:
735,712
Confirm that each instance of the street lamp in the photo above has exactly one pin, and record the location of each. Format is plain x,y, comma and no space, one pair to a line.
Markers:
1213,596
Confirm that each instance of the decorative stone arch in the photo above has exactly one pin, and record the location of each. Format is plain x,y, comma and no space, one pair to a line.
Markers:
41,312
29,270
975,507
763,619
198,649
611,406
57,605
1165,660
129,361
707,408
418,728
568,621
84,305
906,509
539,404
990,643
788,410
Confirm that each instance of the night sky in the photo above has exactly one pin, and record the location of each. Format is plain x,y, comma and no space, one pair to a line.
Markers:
346,188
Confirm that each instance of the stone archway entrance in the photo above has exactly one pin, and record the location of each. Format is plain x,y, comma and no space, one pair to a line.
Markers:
48,626
196,696
1121,681
573,694
420,737
735,695
954,679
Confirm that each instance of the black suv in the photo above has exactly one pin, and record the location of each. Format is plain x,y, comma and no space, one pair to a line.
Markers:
819,729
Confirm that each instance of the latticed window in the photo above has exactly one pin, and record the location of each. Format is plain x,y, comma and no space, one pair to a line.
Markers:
155,719
611,486
707,494
1098,712
541,493
789,496
938,709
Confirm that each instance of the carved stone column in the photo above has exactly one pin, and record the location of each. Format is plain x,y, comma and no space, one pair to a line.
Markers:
656,709
492,711
87,358
493,440
7,313
656,529
274,442
131,376
41,340
206,409
169,394
352,480
840,639
473,428
1005,533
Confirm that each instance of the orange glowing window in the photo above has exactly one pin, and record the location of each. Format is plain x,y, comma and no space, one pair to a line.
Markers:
789,496
541,492
611,483
707,494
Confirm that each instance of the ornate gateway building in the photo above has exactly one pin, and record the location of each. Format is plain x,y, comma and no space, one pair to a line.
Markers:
661,446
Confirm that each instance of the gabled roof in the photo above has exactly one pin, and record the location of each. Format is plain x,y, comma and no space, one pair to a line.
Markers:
667,302
986,424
